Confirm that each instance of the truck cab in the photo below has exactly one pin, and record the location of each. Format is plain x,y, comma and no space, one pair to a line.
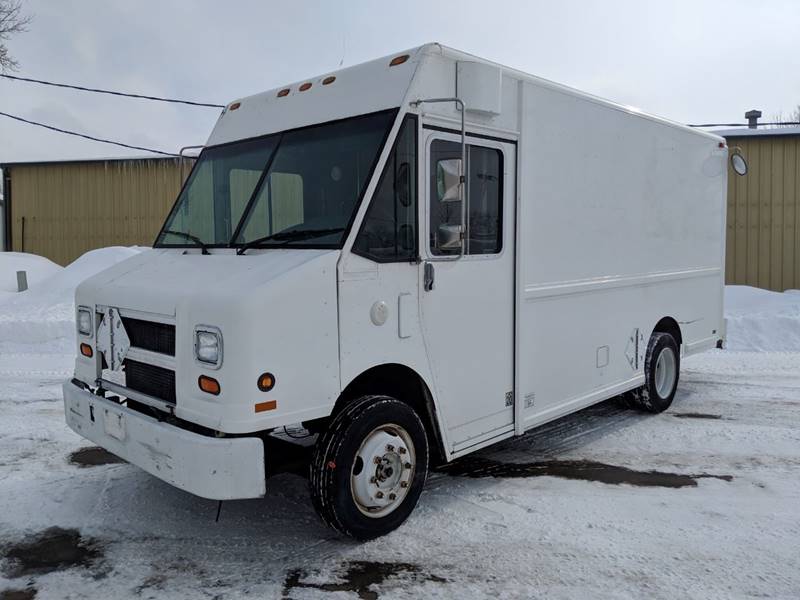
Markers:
347,256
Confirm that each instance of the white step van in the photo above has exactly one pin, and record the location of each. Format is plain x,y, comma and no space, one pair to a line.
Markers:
412,259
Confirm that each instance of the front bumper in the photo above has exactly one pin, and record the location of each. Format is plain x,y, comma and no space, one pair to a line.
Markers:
215,468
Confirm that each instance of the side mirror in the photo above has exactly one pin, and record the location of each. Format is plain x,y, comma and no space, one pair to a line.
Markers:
738,163
448,180
448,237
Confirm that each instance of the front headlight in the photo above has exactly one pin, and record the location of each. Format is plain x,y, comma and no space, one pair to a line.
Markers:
208,345
84,321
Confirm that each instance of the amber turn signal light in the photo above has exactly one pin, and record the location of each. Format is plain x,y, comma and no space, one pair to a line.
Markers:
209,385
266,382
87,351
265,406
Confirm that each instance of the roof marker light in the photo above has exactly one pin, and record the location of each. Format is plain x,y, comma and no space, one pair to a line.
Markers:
283,92
398,60
328,80
234,106
305,86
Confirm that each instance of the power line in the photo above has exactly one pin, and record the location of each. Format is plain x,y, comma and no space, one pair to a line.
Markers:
111,92
88,137
760,124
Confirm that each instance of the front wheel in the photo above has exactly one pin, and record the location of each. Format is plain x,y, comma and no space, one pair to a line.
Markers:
369,467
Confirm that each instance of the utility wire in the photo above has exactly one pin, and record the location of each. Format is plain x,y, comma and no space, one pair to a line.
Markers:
111,92
88,137
745,124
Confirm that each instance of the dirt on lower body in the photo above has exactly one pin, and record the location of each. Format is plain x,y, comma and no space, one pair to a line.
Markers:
51,550
359,577
93,456
584,470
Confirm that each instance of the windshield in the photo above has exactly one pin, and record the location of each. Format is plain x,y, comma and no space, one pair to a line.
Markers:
303,185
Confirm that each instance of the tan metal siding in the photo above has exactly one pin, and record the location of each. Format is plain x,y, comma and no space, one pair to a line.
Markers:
71,208
763,230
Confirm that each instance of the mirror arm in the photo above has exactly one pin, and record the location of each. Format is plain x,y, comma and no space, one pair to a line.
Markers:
461,176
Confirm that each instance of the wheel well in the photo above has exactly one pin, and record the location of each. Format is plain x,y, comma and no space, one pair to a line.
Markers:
670,326
404,384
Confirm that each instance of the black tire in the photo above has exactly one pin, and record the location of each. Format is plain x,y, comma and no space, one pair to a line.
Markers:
335,456
647,398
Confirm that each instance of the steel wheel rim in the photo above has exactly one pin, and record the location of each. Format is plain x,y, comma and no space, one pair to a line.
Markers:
383,471
666,370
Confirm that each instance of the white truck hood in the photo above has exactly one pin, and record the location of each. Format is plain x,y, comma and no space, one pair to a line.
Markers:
158,280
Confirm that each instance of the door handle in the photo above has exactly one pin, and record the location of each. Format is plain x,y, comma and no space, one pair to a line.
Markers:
428,276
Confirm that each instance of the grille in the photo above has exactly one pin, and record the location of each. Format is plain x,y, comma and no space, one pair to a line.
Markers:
148,335
150,379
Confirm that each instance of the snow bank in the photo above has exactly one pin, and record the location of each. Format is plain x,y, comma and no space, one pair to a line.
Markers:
760,320
45,314
37,268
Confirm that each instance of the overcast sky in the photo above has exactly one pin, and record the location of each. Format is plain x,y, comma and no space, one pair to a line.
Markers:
691,61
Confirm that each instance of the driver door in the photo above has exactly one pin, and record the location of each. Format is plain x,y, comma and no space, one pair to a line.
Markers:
467,302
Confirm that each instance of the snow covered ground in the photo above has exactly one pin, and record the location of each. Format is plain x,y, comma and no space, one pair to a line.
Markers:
701,501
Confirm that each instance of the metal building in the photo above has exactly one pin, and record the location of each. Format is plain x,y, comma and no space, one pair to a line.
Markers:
763,230
62,209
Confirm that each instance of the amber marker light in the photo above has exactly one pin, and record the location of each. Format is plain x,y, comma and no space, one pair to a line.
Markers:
398,60
305,86
265,406
283,92
234,106
328,80
209,385
266,382
86,350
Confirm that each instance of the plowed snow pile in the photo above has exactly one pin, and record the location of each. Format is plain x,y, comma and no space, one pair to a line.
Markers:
45,313
762,321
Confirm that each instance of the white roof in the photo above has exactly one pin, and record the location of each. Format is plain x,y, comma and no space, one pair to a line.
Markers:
762,131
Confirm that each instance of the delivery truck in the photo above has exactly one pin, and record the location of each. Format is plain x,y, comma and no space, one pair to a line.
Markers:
410,259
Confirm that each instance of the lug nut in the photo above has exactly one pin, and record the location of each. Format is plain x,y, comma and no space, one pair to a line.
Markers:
377,460
373,480
379,495
392,496
407,465
401,450
389,448
403,484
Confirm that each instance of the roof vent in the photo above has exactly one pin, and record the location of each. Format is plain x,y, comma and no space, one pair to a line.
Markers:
752,117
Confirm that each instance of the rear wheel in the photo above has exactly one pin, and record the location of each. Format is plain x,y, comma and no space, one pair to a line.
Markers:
661,371
369,467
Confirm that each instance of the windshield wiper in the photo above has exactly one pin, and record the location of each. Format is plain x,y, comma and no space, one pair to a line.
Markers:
289,236
191,237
